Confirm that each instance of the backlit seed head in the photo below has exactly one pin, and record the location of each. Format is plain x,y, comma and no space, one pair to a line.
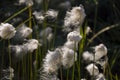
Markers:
87,56
100,51
69,56
74,36
92,69
7,31
74,18
52,61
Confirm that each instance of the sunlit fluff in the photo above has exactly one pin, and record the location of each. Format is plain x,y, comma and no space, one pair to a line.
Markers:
100,77
71,45
65,5
18,51
74,36
48,76
92,69
7,31
7,73
46,34
23,32
27,2
74,18
87,56
39,16
31,45
103,62
69,57
51,14
52,61
100,51
88,30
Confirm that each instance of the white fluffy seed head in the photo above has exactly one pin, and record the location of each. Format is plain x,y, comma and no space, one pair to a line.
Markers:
50,37
27,2
74,36
100,51
45,32
100,77
88,30
92,69
31,45
23,32
103,62
52,61
51,14
71,45
65,5
87,56
18,51
7,31
74,18
8,73
39,16
69,57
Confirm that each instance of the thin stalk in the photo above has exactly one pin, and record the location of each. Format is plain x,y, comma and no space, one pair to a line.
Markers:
93,68
102,31
81,48
116,77
95,17
73,74
45,5
61,73
78,66
55,33
37,54
30,16
109,72
24,22
3,54
67,74
24,66
30,56
17,13
18,67
10,62
36,65
80,52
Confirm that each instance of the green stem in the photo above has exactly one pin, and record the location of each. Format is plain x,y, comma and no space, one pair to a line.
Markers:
30,56
10,62
24,22
67,74
14,15
95,18
103,30
73,74
45,5
61,73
